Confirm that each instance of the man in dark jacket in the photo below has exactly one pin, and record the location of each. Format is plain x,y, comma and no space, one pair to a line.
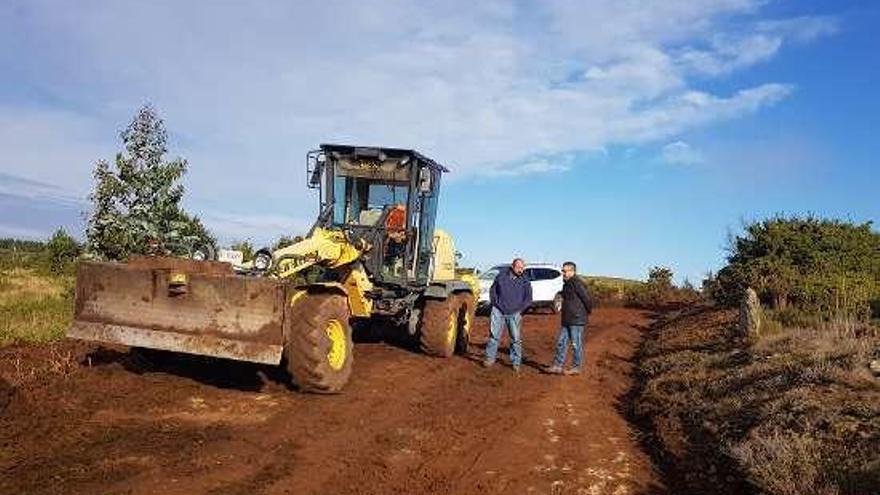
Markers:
576,308
511,294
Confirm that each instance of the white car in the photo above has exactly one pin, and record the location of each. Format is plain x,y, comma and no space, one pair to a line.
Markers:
546,282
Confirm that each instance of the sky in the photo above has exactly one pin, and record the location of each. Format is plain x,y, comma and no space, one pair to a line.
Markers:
618,134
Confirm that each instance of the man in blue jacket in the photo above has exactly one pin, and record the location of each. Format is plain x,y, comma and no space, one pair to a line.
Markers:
511,294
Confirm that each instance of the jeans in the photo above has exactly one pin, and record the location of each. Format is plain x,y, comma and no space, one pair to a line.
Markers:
575,335
514,325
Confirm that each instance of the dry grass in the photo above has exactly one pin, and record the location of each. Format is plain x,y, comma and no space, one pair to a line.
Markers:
33,307
795,412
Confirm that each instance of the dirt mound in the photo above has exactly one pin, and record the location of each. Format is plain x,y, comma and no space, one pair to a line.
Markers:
793,412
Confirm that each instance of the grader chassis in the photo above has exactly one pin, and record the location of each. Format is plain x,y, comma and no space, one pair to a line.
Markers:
379,260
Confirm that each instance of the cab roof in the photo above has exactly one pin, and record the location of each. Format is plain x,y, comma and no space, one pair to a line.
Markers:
374,151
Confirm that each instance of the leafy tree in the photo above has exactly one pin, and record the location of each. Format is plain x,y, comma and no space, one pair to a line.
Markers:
62,250
136,201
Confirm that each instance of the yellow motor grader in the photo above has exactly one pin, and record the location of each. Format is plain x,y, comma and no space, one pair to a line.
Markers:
373,257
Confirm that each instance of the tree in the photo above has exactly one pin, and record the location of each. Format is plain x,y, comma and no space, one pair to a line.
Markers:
136,201
660,277
62,250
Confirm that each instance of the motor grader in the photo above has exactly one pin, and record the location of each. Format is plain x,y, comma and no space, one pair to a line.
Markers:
373,257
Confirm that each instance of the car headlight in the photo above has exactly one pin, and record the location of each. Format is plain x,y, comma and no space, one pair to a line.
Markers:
262,261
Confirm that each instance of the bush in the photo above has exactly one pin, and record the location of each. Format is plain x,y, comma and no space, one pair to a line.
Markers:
824,267
62,250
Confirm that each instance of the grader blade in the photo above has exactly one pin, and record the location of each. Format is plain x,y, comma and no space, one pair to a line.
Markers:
180,305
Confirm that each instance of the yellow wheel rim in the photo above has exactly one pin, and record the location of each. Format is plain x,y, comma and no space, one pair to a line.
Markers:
451,328
336,354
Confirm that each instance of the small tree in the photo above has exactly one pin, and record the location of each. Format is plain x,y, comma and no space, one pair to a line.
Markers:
136,202
660,277
62,250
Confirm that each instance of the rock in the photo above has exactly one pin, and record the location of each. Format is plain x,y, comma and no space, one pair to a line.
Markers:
750,314
874,365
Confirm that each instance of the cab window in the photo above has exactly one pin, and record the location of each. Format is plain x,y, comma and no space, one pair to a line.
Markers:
361,201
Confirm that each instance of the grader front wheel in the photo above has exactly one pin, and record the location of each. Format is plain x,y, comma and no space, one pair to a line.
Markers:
318,343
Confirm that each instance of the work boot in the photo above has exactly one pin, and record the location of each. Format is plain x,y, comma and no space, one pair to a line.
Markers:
487,363
516,370
573,371
553,370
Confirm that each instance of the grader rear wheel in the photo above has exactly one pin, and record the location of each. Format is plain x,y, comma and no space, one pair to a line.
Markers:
466,314
439,327
318,343
446,325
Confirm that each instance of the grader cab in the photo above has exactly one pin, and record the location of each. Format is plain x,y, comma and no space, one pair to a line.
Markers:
373,256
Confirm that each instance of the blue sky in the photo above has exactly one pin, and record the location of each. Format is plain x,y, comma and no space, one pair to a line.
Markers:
618,134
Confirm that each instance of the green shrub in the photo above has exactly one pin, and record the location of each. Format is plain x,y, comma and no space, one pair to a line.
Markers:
828,269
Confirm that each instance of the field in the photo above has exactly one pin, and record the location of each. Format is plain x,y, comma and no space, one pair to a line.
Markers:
672,401
35,305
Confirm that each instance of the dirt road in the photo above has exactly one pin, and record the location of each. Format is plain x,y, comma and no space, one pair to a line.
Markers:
76,419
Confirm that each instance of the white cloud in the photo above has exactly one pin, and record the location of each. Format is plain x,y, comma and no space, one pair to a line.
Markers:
800,29
37,191
18,232
261,229
681,153
529,167
246,89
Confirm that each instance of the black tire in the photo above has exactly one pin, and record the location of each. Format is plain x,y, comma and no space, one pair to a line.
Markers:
146,359
556,305
466,315
439,329
318,344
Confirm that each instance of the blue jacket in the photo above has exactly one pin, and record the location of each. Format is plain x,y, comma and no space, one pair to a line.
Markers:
511,294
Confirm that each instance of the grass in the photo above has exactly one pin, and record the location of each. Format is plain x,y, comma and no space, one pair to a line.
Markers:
795,411
34,307
610,290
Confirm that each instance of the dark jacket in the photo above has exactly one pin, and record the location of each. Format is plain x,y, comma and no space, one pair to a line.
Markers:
576,303
511,294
